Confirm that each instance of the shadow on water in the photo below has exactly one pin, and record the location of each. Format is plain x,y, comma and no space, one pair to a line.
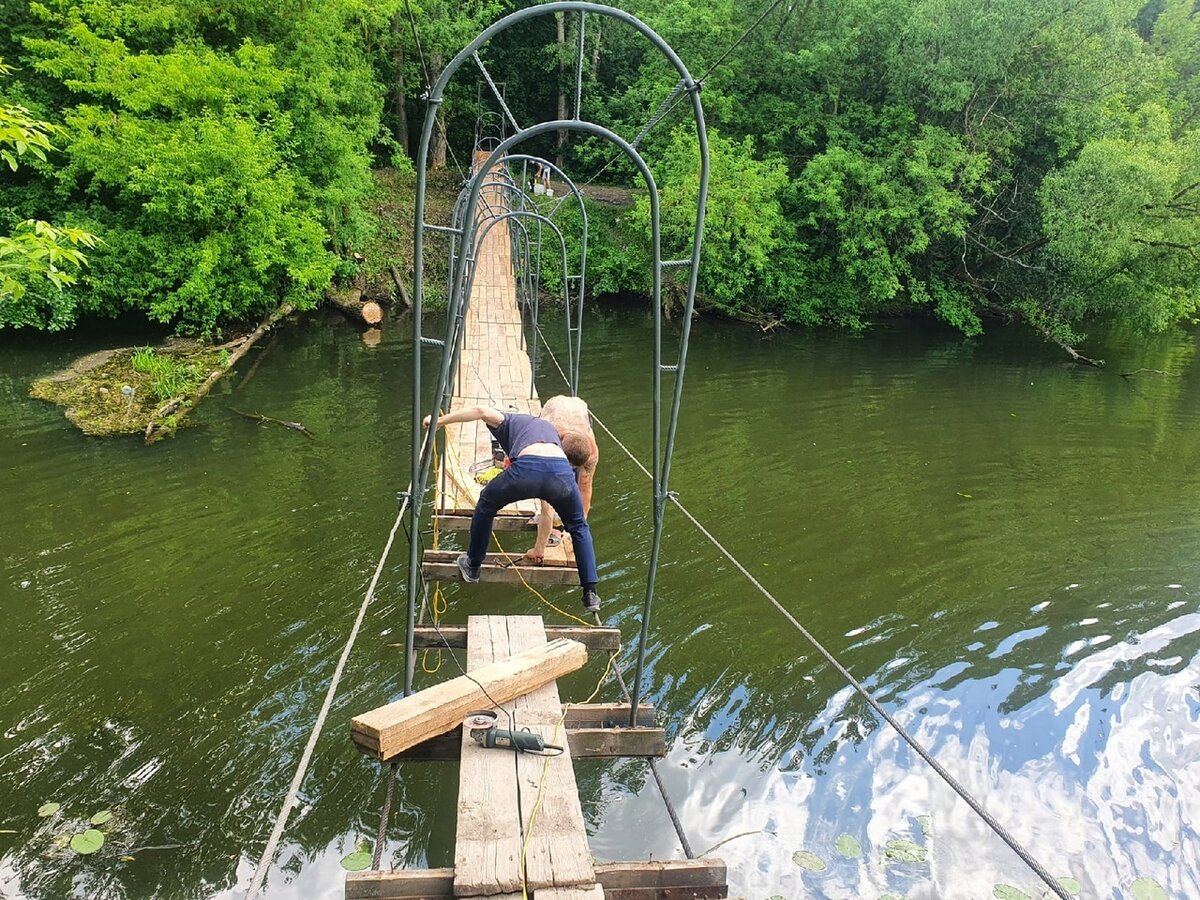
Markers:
997,545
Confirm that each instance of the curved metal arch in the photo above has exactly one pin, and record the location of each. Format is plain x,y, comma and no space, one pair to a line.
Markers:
574,358
469,274
517,215
661,463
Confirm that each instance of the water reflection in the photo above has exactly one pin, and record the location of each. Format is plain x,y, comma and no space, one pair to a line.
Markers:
998,547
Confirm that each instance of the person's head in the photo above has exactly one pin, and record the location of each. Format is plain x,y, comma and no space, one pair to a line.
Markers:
577,447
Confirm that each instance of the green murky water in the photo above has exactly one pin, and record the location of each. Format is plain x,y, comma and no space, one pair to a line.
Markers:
1002,548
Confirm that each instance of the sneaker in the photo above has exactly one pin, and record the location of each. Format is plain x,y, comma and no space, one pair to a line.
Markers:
470,573
591,600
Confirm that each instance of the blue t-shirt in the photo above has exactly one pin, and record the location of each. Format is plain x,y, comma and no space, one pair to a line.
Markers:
519,430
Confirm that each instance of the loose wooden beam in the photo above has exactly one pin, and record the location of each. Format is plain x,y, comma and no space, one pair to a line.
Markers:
605,640
694,878
436,710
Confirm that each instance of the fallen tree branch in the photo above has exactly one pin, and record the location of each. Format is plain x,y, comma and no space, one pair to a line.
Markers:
156,429
1071,351
294,426
404,298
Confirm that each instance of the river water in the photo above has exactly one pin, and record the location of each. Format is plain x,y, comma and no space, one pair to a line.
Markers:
1002,548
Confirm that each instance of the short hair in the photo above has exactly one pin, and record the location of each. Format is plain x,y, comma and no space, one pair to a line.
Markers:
577,447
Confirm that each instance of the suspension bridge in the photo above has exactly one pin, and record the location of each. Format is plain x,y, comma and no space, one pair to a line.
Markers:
520,828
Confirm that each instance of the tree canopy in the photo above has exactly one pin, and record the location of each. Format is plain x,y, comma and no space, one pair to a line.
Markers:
1024,159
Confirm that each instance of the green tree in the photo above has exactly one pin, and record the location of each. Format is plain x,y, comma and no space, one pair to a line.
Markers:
35,250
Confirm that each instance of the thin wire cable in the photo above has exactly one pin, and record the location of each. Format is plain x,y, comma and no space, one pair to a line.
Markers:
925,755
289,802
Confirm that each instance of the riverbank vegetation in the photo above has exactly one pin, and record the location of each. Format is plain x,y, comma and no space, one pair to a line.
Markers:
1035,160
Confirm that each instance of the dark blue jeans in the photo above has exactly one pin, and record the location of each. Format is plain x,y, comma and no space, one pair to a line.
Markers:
548,478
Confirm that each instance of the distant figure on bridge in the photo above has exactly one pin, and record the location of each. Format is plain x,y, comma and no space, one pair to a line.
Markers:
542,174
543,465
567,415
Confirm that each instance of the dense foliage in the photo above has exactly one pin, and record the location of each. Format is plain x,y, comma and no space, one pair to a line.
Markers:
1032,159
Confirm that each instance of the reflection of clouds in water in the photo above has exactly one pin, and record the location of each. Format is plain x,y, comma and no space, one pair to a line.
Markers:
1117,798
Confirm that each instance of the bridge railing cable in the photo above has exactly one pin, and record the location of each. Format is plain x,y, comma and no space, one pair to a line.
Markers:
866,695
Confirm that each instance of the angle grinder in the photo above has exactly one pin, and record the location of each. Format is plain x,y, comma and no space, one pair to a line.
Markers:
481,724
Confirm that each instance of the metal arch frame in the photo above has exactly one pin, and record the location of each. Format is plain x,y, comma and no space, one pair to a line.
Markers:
574,356
421,447
514,215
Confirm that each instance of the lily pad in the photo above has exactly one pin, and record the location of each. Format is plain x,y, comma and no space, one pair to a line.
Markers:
926,824
357,861
904,851
848,846
1147,889
1008,892
809,861
1070,885
48,809
101,817
88,842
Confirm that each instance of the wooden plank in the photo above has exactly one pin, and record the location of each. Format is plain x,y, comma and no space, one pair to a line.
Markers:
440,565
435,710
604,640
588,892
557,852
585,743
487,842
693,878
673,873
459,519
600,743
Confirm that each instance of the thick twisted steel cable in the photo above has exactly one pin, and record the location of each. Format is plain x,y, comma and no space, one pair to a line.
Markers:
917,747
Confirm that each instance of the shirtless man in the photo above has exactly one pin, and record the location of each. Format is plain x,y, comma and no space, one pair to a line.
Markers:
567,415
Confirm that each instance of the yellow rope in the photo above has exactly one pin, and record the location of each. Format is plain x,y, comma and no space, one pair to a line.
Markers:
438,605
512,563
537,803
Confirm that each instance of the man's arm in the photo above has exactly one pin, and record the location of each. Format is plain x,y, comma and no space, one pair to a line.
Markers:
587,474
489,416
537,553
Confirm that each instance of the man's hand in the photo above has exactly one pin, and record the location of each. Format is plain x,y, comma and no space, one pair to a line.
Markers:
534,557
425,422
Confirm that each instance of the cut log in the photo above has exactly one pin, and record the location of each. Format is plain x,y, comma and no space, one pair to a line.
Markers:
390,729
166,418
351,303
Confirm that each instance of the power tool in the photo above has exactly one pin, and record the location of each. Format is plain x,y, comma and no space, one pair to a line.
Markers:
482,726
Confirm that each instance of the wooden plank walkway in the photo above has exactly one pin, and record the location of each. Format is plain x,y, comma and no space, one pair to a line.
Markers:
491,815
494,370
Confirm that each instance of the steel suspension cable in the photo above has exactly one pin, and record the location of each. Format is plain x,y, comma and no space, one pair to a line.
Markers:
866,695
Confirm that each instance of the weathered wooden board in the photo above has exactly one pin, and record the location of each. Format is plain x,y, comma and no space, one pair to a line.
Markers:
454,637
436,710
557,853
441,565
668,880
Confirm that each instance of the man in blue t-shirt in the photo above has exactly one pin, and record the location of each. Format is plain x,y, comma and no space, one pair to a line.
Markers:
542,466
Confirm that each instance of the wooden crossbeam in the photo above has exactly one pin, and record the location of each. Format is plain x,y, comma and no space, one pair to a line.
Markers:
700,879
406,722
585,743
441,565
603,640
